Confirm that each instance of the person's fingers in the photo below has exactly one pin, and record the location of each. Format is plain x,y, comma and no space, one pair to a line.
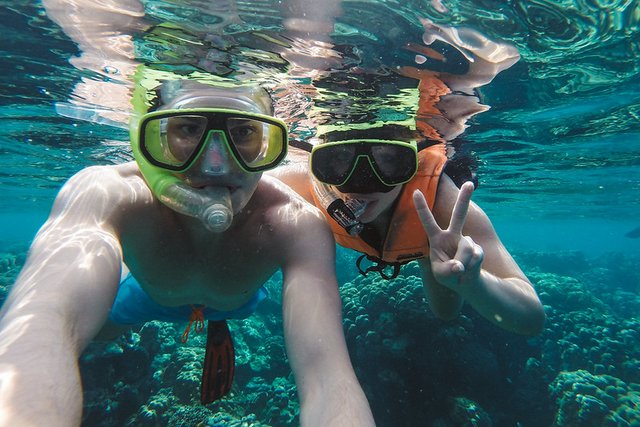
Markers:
426,217
476,258
459,214
446,271
464,252
456,267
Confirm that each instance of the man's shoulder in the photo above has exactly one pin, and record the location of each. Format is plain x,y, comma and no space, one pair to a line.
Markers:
112,184
286,213
106,176
122,171
297,229
283,199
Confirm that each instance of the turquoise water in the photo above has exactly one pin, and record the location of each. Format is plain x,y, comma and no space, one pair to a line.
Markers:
559,143
558,157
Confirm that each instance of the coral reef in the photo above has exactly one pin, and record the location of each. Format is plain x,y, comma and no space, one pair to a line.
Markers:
11,260
583,370
406,358
589,400
160,377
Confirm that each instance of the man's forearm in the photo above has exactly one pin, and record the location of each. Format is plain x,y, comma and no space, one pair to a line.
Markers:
341,403
39,377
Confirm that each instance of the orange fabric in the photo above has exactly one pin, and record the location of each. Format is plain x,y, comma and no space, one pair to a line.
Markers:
197,317
406,239
431,89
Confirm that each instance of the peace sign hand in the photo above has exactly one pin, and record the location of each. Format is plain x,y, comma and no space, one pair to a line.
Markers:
455,259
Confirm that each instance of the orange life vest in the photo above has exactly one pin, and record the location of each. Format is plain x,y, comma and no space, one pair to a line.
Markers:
406,239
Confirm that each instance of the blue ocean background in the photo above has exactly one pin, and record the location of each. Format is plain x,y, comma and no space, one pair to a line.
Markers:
558,164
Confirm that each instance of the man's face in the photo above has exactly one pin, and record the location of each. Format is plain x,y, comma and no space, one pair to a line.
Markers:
216,165
219,145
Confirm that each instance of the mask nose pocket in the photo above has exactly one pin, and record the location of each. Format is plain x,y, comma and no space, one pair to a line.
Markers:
364,180
215,159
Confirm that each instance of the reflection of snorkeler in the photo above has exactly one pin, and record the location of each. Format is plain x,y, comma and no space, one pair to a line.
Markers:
187,219
105,32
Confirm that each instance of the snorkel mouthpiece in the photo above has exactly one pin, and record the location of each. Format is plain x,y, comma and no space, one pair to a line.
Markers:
218,216
211,205
345,213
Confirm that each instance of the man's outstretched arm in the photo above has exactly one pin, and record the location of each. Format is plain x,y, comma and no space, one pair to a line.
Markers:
330,394
58,303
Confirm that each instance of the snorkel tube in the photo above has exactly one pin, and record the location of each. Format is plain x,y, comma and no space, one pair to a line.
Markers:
344,212
211,205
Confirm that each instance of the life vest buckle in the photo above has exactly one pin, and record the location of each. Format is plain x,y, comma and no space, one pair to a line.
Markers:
380,266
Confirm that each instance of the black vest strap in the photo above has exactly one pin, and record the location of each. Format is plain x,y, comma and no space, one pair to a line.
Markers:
380,266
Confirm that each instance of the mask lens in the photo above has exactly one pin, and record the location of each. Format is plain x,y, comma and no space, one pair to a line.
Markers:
333,164
395,163
171,141
257,143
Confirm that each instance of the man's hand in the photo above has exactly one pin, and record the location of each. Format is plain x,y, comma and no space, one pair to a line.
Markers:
455,259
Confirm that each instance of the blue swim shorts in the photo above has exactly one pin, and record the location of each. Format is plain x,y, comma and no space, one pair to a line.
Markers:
132,306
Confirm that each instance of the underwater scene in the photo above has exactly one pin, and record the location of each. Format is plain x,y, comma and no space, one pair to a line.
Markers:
537,102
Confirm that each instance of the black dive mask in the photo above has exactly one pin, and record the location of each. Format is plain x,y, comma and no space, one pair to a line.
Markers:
363,180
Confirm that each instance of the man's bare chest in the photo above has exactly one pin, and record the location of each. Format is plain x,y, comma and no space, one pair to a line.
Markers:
222,273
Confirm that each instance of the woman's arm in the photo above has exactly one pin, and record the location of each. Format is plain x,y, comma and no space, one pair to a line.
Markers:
468,258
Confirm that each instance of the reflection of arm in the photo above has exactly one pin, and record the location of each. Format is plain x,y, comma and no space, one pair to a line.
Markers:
449,99
58,303
330,394
101,29
104,33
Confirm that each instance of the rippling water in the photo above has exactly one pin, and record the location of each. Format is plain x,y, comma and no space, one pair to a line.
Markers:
560,141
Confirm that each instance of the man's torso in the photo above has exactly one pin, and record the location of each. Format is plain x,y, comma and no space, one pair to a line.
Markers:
177,261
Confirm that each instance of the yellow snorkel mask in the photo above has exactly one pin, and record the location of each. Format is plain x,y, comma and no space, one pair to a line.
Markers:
207,128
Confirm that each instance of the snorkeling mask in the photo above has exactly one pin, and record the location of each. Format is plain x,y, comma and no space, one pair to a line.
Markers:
206,129
364,166
175,139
